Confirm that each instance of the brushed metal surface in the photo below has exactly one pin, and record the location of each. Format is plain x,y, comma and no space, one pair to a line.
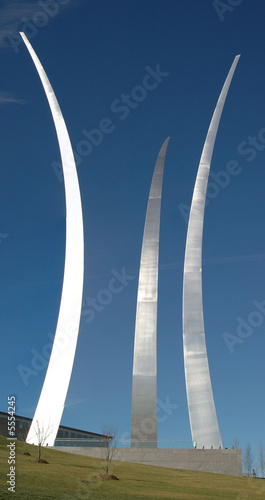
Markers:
52,398
202,413
144,399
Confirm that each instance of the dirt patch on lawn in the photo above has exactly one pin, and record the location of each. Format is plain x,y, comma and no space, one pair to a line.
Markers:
107,476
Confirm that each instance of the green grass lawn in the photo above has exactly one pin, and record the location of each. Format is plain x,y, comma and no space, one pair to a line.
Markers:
73,477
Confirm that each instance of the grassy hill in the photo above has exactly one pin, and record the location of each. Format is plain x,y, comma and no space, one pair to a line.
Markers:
73,477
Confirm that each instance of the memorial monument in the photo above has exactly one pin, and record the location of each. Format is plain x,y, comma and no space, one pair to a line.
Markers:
50,406
144,399
202,413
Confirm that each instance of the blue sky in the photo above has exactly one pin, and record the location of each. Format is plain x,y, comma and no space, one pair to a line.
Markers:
95,54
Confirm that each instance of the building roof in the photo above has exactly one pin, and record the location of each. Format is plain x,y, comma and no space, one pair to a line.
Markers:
61,427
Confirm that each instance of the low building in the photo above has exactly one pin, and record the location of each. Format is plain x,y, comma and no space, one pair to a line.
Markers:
66,436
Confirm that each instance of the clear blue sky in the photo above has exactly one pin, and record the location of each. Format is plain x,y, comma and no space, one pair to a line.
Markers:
96,53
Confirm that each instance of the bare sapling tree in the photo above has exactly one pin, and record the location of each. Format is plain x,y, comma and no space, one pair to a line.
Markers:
24,433
109,445
261,461
42,434
248,460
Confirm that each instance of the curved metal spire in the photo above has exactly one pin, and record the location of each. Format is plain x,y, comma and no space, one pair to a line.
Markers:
144,400
50,407
202,413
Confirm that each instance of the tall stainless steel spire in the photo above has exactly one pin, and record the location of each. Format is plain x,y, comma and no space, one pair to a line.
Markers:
144,400
50,407
202,413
